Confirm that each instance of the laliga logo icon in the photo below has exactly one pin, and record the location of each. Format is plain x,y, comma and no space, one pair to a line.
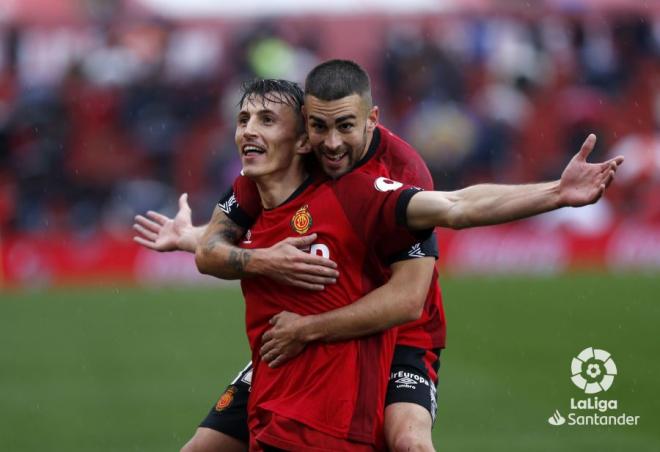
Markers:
593,370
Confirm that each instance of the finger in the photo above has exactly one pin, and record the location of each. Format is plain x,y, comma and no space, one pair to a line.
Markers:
146,233
609,179
148,224
313,269
301,242
587,146
304,285
266,348
268,335
281,359
271,355
145,243
314,279
326,266
183,202
157,217
618,160
611,164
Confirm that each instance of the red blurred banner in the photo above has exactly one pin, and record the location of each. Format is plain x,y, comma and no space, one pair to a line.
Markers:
29,261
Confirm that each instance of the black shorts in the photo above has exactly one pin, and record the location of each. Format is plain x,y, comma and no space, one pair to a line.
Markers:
412,379
229,414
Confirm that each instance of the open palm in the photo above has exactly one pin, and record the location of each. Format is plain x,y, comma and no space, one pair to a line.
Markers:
161,233
582,182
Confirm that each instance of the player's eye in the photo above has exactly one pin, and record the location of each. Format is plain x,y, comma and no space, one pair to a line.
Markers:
346,127
268,120
242,120
318,127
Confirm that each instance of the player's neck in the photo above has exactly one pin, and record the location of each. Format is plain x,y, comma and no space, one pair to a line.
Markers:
276,188
370,138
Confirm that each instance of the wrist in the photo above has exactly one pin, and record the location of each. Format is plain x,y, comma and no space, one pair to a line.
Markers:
309,329
257,266
187,240
556,195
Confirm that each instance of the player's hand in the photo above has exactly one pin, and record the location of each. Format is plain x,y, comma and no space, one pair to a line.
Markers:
584,183
287,263
280,343
161,233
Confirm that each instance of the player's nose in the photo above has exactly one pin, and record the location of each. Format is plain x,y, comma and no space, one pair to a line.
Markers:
332,140
250,128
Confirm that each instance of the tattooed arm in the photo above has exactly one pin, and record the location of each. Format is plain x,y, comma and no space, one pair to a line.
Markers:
217,255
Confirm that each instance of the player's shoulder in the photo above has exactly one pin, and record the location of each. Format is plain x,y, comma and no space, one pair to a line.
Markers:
395,146
402,160
359,186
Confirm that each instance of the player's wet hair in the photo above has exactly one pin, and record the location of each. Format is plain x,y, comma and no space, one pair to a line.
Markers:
335,79
276,91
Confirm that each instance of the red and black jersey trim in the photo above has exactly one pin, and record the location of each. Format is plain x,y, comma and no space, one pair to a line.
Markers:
232,209
402,217
306,183
373,147
425,248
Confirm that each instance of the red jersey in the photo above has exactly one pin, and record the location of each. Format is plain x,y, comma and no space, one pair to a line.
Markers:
388,156
334,388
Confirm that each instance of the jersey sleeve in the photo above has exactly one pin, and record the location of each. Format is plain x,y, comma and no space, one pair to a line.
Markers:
241,203
376,207
425,248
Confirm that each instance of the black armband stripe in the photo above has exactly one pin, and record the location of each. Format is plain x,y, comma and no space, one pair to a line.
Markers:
402,217
229,205
426,248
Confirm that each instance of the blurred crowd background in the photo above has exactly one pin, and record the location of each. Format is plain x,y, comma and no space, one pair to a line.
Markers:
109,108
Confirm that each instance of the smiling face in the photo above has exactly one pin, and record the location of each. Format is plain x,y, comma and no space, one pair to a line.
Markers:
268,135
339,131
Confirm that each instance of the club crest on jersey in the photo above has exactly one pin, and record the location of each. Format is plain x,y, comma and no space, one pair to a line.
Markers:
226,399
302,220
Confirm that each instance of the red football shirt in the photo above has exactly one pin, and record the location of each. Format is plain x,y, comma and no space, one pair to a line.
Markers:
335,388
387,156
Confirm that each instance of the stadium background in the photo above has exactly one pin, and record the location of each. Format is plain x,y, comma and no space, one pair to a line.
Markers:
110,108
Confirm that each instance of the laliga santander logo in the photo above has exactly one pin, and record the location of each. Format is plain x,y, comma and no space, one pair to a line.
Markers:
593,370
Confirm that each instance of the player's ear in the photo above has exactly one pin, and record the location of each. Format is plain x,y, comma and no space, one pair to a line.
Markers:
372,118
302,144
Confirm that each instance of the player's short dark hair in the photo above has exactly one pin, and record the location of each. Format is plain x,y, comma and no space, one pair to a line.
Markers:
276,91
335,79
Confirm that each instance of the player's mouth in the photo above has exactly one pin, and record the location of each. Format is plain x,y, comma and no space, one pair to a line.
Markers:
334,160
251,150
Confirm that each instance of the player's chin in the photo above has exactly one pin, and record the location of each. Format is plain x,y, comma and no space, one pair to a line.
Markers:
334,170
253,171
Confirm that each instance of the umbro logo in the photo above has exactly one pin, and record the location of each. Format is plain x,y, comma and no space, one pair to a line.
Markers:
227,205
406,381
416,251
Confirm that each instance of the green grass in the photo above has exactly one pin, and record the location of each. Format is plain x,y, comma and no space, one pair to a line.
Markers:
119,369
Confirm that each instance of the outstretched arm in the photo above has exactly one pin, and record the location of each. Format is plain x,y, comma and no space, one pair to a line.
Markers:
398,301
160,233
581,183
216,252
